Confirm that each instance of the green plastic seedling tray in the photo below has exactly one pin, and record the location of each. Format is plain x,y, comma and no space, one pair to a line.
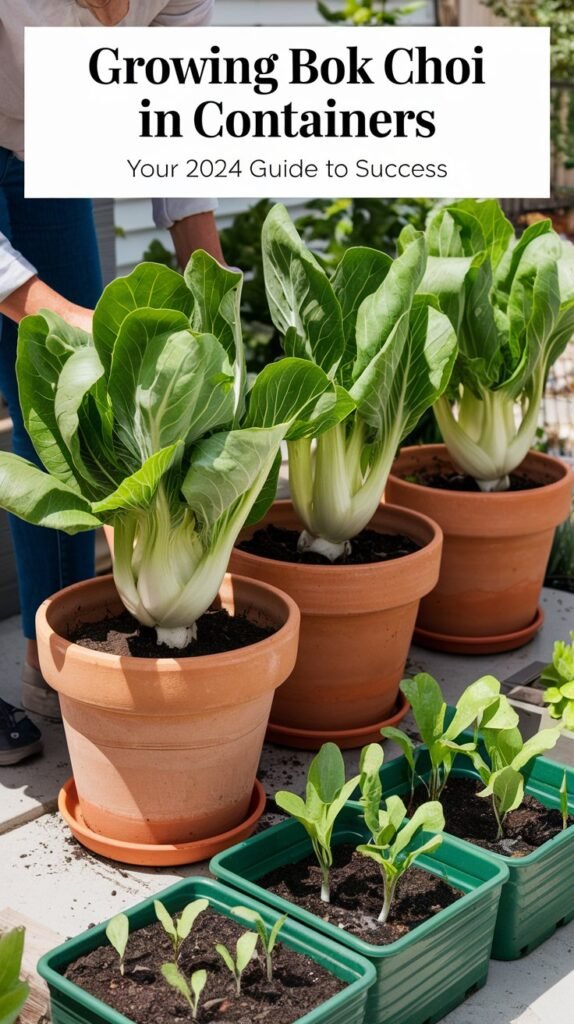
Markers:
71,1005
424,974
538,896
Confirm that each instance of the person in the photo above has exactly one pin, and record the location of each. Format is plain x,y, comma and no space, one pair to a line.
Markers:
49,260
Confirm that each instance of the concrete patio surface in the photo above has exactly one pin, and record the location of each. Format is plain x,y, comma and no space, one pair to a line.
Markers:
46,876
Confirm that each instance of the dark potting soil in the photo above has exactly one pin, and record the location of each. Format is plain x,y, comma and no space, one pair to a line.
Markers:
217,632
471,817
357,895
368,546
463,482
143,995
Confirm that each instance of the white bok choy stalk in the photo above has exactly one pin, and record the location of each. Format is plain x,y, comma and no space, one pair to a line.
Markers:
511,302
147,426
390,354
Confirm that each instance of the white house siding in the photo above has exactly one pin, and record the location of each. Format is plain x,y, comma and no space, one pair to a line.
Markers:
133,216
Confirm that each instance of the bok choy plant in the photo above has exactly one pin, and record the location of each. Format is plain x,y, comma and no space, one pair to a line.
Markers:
480,704
558,677
148,426
325,796
511,303
390,354
395,843
501,763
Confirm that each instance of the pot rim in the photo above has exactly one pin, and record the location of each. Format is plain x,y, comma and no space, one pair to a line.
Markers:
490,497
150,665
366,569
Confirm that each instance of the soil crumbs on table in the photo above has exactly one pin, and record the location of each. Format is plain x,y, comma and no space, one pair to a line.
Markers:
471,817
217,632
367,547
451,481
357,895
143,995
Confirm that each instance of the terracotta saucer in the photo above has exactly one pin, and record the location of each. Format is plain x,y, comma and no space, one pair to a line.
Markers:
147,854
478,644
346,739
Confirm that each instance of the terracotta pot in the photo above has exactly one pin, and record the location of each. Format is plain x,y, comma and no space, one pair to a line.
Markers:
165,751
356,628
496,548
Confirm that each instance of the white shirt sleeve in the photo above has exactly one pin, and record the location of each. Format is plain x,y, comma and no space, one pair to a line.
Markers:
167,211
14,269
182,12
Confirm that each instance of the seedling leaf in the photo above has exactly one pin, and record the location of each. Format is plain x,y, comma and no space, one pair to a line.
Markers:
175,978
165,920
188,917
327,772
198,983
117,933
246,944
275,933
564,809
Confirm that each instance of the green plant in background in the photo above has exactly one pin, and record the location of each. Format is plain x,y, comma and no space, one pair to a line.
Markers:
331,226
511,302
148,426
244,950
560,568
368,12
117,934
178,929
501,770
389,353
479,705
325,796
156,252
13,991
191,992
558,677
557,16
268,936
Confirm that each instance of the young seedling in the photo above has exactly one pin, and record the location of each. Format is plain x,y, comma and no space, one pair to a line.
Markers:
244,950
325,797
267,935
192,992
502,774
179,929
481,703
559,680
117,933
564,809
392,846
13,991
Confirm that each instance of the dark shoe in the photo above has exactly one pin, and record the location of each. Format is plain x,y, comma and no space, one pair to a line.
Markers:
37,696
19,737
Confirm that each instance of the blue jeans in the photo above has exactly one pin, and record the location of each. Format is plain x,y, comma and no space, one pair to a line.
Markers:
58,237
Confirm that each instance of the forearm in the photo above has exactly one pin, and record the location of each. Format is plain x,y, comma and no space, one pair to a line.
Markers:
35,295
198,231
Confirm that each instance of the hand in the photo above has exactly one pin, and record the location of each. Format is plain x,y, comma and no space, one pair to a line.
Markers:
35,295
79,316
